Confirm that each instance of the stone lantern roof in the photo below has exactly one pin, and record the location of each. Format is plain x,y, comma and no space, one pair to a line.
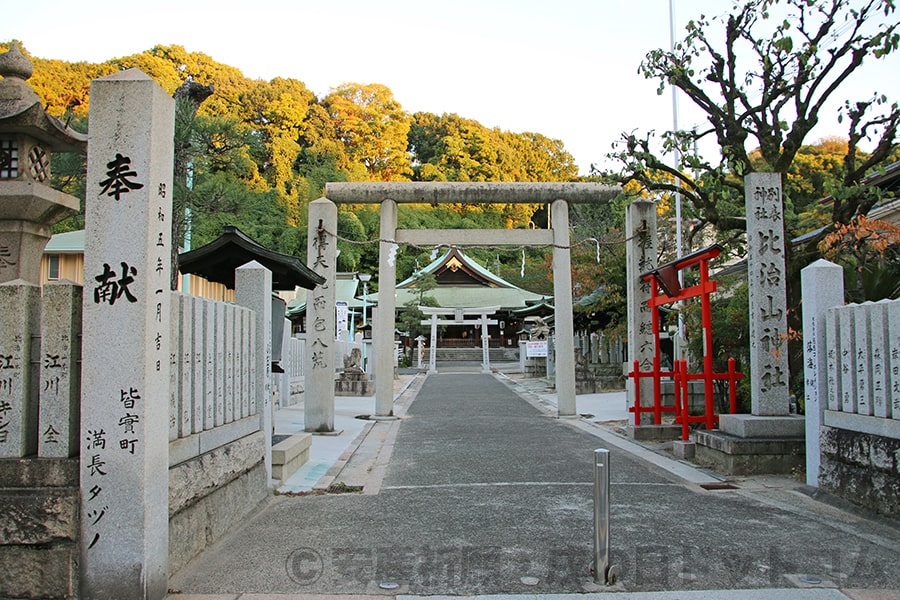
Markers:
21,110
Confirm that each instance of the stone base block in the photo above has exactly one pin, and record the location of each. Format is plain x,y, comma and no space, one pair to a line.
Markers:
39,472
354,385
210,518
732,455
39,528
757,426
289,455
47,571
684,450
654,433
212,493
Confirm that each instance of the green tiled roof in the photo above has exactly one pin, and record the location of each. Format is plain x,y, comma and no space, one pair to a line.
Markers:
71,241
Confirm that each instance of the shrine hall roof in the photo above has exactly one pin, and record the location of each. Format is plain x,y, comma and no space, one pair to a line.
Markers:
462,282
217,260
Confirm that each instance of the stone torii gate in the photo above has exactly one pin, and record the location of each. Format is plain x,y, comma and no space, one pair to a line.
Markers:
459,318
321,258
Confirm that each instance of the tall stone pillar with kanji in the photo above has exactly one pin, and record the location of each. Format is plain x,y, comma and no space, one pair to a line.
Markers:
125,365
321,255
640,251
770,439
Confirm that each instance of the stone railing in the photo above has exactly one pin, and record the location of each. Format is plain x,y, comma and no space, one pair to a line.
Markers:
862,344
293,365
213,360
852,377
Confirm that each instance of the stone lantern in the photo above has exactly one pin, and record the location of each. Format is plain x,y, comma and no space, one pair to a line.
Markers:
28,205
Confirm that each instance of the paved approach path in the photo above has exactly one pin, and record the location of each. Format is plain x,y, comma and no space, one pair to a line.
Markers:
486,494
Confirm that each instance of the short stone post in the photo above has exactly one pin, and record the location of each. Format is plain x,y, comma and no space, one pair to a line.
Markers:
822,285
284,379
432,346
125,365
19,325
640,230
383,327
564,359
60,380
485,345
881,356
253,290
321,246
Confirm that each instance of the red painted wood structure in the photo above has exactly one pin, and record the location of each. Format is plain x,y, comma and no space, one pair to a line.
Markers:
665,288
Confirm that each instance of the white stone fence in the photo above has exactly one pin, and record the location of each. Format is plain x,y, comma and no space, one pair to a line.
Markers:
213,358
852,363
862,353
293,365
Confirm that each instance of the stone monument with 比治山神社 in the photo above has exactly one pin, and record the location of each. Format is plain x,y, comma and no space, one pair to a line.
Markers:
770,439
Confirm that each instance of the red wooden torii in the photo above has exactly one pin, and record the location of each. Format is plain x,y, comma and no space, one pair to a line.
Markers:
665,279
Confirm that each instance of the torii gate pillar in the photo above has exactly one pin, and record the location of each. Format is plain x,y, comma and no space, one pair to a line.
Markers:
383,325
562,300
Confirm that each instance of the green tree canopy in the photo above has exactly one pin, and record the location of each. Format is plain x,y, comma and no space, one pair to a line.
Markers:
763,75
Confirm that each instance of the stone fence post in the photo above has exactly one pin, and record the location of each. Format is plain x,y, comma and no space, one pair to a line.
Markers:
60,378
253,290
822,287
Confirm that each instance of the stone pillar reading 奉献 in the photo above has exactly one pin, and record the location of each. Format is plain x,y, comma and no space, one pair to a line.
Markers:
125,368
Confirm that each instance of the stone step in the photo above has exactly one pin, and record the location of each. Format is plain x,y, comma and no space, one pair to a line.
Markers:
475,354
289,454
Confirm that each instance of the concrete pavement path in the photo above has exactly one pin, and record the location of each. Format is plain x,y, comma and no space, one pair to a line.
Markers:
478,491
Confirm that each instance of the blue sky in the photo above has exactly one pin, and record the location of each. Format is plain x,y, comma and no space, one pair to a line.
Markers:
566,69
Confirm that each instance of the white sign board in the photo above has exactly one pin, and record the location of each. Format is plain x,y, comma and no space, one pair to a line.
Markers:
341,316
536,349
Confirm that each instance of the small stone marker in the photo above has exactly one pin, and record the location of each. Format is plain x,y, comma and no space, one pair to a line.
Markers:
253,290
60,379
847,361
19,324
861,367
893,344
880,351
832,360
823,288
